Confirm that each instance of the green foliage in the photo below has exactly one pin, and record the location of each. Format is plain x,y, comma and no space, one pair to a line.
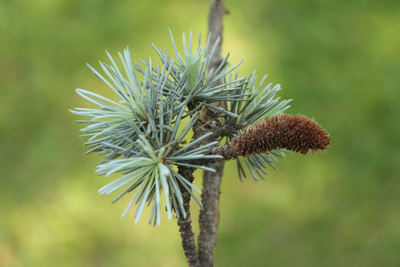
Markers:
142,136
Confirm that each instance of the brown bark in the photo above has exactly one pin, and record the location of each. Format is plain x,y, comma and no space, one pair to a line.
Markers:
209,215
185,223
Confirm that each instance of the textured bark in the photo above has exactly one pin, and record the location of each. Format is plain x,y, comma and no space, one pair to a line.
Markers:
215,28
185,223
209,215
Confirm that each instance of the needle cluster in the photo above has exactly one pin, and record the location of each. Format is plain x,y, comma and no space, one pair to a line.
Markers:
144,132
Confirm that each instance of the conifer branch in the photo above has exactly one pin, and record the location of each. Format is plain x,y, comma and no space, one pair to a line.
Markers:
141,134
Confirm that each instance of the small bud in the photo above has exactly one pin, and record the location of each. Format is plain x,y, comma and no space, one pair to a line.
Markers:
296,133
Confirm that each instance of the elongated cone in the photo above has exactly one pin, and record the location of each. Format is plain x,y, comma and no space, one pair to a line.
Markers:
292,132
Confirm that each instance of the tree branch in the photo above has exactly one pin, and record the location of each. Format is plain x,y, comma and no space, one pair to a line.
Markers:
185,223
209,215
215,27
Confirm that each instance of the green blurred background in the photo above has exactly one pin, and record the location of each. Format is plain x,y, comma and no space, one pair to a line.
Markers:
338,60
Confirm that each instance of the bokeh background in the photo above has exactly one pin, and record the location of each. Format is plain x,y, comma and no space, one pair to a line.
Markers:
338,60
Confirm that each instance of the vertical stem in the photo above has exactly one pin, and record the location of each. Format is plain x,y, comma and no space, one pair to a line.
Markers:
215,27
209,215
185,223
